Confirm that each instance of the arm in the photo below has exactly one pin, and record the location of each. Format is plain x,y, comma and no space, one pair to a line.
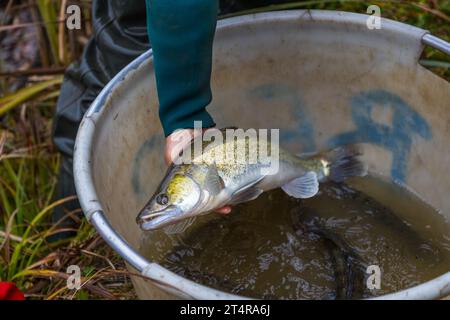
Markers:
181,34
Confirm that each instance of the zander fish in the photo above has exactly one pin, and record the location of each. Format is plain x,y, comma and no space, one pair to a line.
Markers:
207,181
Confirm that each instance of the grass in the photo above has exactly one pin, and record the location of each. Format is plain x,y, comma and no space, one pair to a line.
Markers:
28,175
29,162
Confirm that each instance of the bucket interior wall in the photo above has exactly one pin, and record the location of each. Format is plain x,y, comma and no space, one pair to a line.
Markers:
322,78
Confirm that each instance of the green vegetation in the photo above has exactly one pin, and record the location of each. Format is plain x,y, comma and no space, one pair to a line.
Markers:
29,162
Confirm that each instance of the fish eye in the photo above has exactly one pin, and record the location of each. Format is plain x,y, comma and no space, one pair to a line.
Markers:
162,199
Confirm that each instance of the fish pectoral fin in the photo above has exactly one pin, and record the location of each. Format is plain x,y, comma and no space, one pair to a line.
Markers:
303,187
213,182
179,227
245,195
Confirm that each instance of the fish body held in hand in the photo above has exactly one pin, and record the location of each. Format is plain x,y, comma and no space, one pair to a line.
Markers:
237,170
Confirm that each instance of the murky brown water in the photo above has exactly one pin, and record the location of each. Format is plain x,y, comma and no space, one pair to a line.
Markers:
278,247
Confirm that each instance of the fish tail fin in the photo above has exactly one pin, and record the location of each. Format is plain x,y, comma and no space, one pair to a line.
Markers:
343,162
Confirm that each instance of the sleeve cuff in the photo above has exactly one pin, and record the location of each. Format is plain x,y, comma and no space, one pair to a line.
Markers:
172,124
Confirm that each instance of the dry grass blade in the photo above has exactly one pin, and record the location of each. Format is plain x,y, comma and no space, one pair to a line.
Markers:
10,236
9,102
48,10
32,72
3,137
7,234
26,25
62,33
100,256
434,12
45,261
51,274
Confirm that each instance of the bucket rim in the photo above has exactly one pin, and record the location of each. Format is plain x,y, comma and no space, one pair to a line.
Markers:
163,278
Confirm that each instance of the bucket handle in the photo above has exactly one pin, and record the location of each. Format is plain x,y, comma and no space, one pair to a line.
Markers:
436,43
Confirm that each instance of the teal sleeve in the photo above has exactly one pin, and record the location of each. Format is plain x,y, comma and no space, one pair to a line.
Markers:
181,33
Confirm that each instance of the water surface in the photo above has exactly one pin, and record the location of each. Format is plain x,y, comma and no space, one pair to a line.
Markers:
278,247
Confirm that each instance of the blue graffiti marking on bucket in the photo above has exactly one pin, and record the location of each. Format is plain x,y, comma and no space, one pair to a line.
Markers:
397,138
149,146
303,134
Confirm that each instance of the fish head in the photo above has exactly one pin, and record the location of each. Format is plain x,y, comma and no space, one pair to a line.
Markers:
177,198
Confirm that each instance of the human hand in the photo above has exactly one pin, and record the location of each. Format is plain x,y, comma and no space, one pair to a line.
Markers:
176,142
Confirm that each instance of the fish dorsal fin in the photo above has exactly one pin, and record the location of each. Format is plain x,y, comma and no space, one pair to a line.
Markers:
247,193
303,187
180,226
213,182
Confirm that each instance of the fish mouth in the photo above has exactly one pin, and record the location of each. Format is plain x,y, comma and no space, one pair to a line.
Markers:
153,220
